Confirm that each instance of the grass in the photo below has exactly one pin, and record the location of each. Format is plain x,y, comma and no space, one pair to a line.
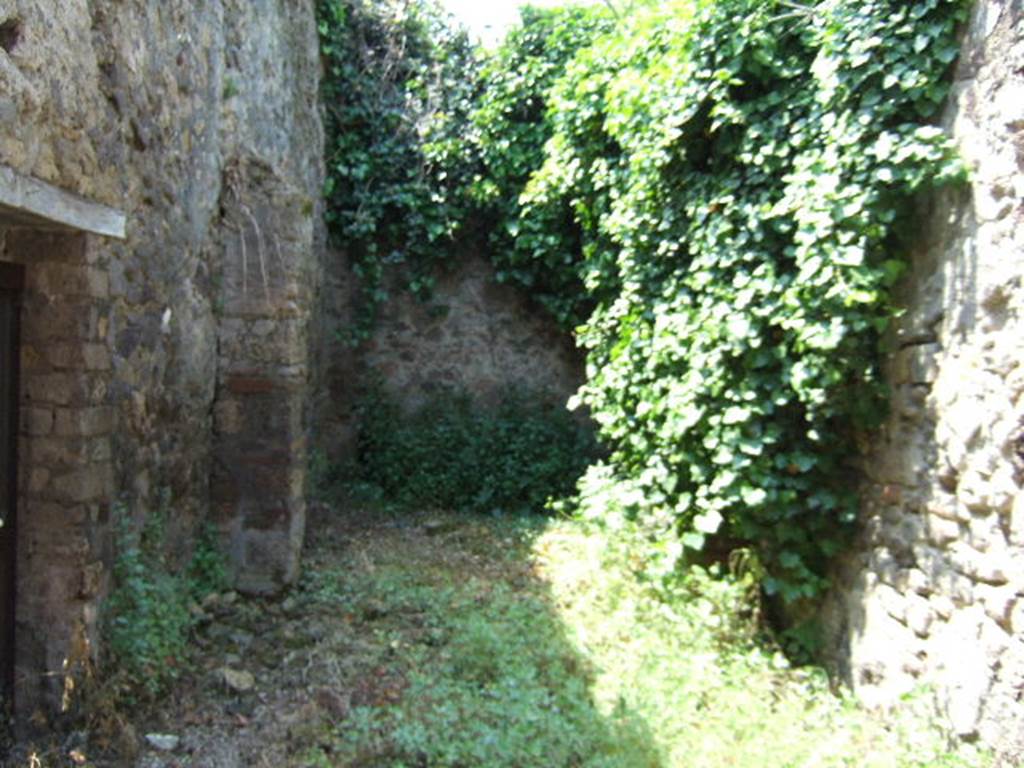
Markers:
530,643
450,641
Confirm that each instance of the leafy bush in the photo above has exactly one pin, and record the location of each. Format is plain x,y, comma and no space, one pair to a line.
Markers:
728,180
456,454
397,90
147,615
740,171
509,127
207,571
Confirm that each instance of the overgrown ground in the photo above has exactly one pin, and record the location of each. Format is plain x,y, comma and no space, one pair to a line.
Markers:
458,641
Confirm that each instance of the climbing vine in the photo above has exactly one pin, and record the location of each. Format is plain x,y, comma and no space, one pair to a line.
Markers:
717,192
397,90
742,172
511,124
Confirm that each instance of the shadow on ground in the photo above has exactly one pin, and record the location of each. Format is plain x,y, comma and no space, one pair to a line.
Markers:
413,641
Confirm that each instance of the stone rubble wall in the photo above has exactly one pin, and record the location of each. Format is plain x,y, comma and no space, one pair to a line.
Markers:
474,335
200,121
933,597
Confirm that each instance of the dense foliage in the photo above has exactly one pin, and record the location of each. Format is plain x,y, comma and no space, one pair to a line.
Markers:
456,454
741,173
510,125
729,181
397,88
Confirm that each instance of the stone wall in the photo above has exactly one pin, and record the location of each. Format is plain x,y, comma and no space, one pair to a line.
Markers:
474,335
160,357
934,596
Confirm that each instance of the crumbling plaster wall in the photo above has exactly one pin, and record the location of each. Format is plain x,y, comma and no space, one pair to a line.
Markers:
934,595
200,121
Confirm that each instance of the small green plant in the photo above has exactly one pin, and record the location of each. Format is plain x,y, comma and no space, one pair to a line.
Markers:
230,88
207,572
147,615
456,454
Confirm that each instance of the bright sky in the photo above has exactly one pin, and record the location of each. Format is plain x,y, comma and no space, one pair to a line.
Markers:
490,18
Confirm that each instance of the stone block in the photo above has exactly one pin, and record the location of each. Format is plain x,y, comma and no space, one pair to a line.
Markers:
988,568
94,483
42,517
33,360
999,603
68,319
909,401
263,343
905,531
250,385
917,364
36,422
919,618
66,356
942,531
269,562
64,389
964,671
64,452
902,461
994,642
51,389
989,487
914,580
92,581
985,534
228,417
885,566
947,580
943,607
1017,521
948,507
54,279
38,480
84,422
965,415
98,283
894,603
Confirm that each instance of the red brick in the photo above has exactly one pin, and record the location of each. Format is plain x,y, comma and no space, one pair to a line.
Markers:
250,385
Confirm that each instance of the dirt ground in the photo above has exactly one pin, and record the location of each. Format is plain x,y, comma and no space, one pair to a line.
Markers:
269,678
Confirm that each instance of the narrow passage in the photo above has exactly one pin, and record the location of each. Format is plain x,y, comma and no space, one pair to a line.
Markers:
447,640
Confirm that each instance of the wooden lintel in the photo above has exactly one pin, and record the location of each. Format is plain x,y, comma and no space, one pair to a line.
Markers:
29,202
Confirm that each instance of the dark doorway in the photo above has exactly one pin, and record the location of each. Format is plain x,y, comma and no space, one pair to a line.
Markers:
11,279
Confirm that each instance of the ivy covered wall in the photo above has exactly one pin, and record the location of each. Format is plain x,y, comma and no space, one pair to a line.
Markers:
787,356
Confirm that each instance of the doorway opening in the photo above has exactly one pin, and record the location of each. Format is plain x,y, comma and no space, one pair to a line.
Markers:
11,282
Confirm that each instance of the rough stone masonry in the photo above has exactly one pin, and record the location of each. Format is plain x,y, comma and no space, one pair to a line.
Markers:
934,597
175,367
172,367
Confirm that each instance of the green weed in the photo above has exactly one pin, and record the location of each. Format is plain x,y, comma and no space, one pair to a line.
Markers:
147,617
456,454
549,653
